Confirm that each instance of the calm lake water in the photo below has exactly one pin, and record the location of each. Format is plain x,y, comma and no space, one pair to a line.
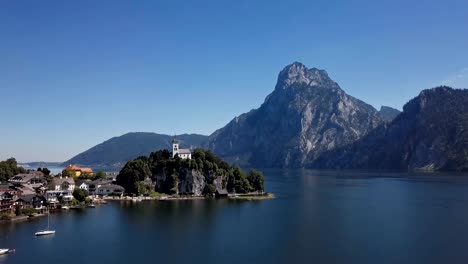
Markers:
317,217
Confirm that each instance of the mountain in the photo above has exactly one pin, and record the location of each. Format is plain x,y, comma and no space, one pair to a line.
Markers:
116,151
430,134
306,114
388,113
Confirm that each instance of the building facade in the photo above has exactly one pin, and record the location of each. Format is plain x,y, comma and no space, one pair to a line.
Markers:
182,153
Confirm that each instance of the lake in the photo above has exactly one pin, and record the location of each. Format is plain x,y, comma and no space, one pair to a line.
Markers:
316,217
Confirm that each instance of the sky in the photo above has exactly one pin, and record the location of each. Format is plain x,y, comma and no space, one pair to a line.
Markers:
76,73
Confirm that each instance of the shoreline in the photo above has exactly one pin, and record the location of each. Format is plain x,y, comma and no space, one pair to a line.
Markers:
234,196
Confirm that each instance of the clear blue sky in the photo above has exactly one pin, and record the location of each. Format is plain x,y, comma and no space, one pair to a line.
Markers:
75,73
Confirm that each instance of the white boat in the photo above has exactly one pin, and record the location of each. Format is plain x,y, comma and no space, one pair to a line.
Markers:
65,208
4,251
91,205
47,231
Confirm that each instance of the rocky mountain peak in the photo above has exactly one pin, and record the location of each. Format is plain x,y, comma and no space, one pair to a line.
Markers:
304,116
297,74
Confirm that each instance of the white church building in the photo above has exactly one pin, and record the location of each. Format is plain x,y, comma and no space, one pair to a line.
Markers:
183,153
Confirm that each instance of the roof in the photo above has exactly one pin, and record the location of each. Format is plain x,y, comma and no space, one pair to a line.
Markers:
76,168
222,191
24,177
86,170
6,194
184,151
100,182
27,198
79,182
60,180
112,186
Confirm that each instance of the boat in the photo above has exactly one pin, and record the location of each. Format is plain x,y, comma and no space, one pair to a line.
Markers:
4,251
91,205
65,208
47,231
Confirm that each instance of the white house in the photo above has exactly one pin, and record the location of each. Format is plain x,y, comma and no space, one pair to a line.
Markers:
182,153
61,187
83,184
110,189
63,184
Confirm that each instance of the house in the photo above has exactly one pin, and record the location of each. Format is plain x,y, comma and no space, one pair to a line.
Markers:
11,189
83,184
62,184
32,177
110,189
31,201
6,203
220,193
95,185
60,188
182,153
77,171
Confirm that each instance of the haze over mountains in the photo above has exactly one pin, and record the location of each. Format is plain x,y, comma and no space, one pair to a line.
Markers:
309,121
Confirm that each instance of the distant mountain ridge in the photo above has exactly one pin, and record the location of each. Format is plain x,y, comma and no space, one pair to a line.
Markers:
430,134
388,113
116,151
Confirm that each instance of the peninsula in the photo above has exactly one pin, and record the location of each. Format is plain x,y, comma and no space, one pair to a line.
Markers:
187,173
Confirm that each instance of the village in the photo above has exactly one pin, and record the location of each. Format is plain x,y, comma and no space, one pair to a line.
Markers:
36,192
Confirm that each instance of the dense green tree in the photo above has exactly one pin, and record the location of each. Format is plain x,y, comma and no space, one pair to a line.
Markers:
132,173
256,180
80,194
100,175
46,171
145,188
9,168
209,189
68,173
238,182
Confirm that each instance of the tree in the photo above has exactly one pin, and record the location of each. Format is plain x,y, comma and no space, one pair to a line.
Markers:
132,173
100,175
68,173
209,190
238,182
80,194
9,168
46,171
256,180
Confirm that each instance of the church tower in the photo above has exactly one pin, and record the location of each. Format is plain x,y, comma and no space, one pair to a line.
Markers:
175,147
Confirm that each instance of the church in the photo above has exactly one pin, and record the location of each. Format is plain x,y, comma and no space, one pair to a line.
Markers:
183,153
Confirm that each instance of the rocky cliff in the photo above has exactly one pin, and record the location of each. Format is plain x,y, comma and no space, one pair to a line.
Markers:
307,114
192,182
430,134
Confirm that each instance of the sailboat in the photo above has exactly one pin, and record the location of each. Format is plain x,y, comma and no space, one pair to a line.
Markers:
47,231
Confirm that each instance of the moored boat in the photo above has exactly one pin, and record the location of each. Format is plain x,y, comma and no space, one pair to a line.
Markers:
45,233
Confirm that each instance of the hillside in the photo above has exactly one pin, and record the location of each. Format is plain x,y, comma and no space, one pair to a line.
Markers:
116,151
306,114
430,134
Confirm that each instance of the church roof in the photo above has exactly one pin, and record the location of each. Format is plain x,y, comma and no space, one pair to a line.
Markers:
184,151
